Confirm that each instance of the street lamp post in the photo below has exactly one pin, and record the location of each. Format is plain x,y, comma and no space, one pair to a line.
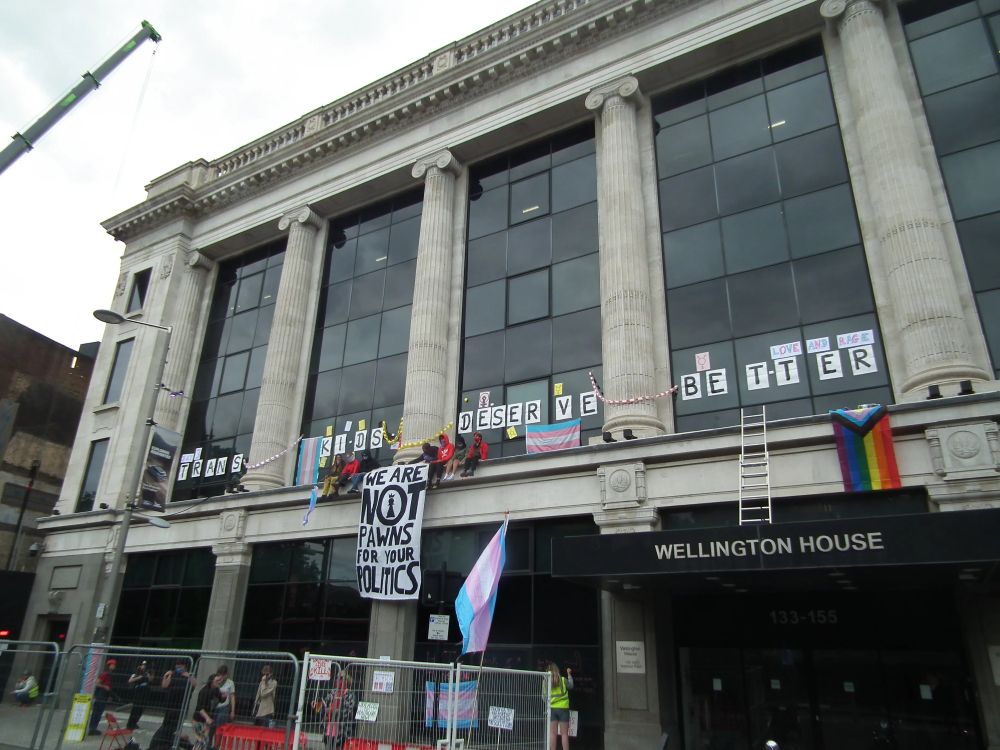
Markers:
112,584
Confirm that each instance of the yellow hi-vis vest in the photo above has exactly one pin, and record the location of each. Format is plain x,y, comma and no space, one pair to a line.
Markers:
33,691
560,695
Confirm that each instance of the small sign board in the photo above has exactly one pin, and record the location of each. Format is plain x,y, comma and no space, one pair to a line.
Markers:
367,711
574,722
319,670
501,718
437,629
382,682
79,713
631,657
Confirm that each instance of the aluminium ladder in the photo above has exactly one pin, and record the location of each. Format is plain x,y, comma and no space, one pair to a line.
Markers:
755,476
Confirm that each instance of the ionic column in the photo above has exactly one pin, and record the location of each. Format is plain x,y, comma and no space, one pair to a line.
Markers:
626,312
283,382
915,268
425,406
185,317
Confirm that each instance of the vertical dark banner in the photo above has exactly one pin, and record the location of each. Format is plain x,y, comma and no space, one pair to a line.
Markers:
153,484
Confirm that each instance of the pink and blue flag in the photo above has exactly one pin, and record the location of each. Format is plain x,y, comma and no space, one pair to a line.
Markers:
541,438
307,469
478,598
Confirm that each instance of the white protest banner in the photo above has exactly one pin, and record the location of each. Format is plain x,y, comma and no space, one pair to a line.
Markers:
392,513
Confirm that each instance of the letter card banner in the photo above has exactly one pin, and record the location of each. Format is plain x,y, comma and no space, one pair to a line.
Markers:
392,513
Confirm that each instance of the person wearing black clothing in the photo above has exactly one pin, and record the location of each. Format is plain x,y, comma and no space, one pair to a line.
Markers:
175,684
139,682
209,698
368,463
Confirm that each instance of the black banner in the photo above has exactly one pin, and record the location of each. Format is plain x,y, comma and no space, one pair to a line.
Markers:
931,538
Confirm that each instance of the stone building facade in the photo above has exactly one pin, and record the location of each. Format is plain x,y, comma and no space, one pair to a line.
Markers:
763,202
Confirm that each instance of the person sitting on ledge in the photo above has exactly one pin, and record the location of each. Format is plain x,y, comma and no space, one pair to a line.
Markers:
478,451
350,469
445,452
456,460
330,485
368,463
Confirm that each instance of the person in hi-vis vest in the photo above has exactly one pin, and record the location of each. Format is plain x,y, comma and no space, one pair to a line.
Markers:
559,706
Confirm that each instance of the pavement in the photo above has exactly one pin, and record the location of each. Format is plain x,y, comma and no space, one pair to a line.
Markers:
18,726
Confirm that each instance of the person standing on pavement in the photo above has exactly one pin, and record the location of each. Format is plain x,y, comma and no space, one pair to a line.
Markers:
175,684
102,694
225,711
263,713
139,682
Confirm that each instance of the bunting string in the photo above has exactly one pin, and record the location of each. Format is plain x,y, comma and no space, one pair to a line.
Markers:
431,440
388,436
631,400
276,456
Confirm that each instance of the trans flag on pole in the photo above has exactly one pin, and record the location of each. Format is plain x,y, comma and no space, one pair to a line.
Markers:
478,598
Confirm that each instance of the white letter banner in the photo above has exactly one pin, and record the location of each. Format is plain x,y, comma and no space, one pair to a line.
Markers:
392,513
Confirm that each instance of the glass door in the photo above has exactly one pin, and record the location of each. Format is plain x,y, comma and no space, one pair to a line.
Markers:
850,696
930,701
778,698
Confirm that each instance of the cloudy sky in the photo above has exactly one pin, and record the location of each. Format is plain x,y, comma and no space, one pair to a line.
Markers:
222,76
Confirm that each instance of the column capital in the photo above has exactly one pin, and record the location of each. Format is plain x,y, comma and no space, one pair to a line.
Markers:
442,161
197,260
626,88
841,11
304,215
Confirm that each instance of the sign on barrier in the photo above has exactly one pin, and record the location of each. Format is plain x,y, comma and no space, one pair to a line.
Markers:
384,704
79,713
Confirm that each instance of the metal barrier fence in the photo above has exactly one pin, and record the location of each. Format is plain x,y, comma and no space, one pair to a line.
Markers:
39,661
378,704
155,693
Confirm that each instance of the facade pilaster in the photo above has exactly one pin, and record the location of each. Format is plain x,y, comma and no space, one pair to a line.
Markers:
229,585
626,311
283,384
911,260
629,627
186,315
425,405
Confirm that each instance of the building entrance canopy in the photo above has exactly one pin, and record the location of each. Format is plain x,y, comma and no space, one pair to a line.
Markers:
940,545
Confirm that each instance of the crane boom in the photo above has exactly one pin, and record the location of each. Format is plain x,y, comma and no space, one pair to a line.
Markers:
25,141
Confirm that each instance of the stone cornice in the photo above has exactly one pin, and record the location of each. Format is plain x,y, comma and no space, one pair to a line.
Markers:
511,49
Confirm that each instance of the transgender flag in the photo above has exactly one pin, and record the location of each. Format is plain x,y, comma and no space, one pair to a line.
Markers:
541,438
478,598
307,470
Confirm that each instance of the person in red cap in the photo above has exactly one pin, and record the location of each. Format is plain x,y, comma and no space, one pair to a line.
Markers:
102,693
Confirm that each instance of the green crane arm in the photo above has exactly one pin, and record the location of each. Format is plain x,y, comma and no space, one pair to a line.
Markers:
25,141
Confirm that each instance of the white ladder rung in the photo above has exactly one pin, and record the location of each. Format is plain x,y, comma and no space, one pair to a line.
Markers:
755,471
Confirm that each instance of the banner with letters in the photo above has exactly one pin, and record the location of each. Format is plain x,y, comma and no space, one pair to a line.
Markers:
392,514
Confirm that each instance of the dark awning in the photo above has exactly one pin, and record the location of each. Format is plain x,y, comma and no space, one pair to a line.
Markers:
958,542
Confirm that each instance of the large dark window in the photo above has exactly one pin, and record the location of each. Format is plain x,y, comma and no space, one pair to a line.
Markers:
303,596
532,323
137,297
955,47
768,295
164,600
224,402
119,367
358,371
537,618
92,475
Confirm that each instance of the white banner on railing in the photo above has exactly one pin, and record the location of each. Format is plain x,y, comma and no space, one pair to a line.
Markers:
392,513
